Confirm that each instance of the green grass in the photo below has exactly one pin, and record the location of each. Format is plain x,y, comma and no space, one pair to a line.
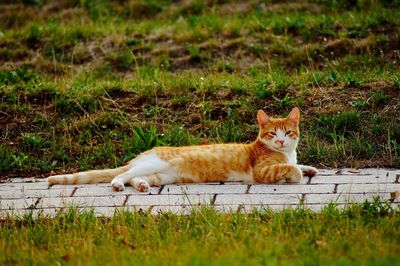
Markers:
361,234
90,84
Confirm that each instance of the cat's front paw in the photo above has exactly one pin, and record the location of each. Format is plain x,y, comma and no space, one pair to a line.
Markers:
293,179
117,185
309,171
295,175
143,186
140,184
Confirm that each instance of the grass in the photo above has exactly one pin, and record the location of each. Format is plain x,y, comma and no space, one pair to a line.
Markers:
90,84
360,234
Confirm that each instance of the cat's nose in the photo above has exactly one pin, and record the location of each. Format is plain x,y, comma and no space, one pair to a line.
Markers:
281,141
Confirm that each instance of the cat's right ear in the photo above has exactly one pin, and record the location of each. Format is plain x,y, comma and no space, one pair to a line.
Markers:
262,118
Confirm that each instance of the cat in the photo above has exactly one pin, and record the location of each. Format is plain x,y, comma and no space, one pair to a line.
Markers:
271,158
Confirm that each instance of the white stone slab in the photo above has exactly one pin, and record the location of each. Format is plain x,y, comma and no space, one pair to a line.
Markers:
278,207
158,209
88,191
291,189
256,199
248,208
343,198
102,201
204,189
324,172
103,211
368,171
24,179
40,193
368,188
356,179
162,200
350,185
304,180
23,186
81,186
396,197
14,204
47,212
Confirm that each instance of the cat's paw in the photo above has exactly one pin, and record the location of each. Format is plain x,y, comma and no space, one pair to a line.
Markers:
294,176
293,179
143,186
117,185
309,171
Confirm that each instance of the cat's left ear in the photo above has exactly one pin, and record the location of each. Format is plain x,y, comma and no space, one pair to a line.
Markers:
294,116
262,118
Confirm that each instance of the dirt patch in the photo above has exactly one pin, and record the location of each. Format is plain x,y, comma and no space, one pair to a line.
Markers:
334,99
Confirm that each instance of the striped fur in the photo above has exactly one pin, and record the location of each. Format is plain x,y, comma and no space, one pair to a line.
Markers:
93,176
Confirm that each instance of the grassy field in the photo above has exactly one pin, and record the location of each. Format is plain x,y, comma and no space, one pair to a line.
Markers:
89,84
364,234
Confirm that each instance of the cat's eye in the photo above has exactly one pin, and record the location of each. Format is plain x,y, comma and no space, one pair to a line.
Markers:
288,132
272,133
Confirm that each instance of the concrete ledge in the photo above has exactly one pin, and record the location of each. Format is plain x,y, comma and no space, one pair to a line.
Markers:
342,187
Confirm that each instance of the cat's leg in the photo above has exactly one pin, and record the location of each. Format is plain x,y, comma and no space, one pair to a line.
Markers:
308,170
143,183
118,183
277,173
146,166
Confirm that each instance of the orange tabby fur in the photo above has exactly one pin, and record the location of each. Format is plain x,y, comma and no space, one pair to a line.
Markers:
270,158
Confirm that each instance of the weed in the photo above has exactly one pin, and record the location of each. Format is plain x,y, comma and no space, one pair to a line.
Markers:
122,60
178,135
333,77
214,23
6,159
35,33
225,66
142,139
21,161
21,75
352,80
397,82
376,208
97,9
342,123
379,98
228,131
359,104
194,51
262,91
285,102
32,141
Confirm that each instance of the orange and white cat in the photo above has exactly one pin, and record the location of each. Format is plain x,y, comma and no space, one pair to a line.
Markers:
270,158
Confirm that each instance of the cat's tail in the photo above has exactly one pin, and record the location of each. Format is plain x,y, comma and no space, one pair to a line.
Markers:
87,177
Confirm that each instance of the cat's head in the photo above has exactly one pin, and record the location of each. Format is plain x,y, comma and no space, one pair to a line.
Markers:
281,134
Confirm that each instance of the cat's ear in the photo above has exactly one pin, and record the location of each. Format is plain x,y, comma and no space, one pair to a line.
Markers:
294,116
262,118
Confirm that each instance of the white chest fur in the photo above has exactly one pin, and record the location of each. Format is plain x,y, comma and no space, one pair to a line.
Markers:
292,157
